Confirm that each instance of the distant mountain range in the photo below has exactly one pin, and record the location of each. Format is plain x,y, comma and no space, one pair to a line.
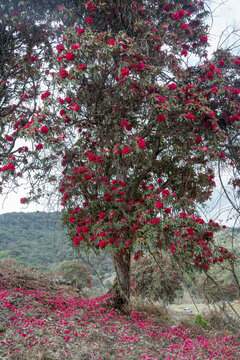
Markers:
34,238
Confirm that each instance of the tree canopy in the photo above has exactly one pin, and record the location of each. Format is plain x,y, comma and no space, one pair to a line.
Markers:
129,126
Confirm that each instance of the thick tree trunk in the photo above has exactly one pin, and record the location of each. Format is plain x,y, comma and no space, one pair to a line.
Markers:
122,288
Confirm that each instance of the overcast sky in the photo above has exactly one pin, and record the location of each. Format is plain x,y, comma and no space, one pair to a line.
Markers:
226,15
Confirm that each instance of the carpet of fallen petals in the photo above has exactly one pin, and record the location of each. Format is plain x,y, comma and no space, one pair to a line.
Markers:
44,321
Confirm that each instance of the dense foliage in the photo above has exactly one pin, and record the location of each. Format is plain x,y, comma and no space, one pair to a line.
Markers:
75,273
156,277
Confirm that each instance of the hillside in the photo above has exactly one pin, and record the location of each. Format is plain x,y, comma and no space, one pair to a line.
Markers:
34,238
37,239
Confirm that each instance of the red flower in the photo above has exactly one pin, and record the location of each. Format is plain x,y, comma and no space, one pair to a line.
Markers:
84,229
159,205
160,98
92,157
185,26
80,31
76,240
63,73
88,20
111,42
136,256
69,56
74,107
60,48
29,124
46,94
176,16
172,86
190,116
181,13
107,198
39,146
125,150
183,215
167,211
210,74
125,71
75,46
166,192
142,144
173,248
68,99
87,177
23,200
62,112
161,118
237,62
221,62
102,243
9,166
44,129
198,139
91,6
102,215
123,123
82,67
203,38
235,91
184,52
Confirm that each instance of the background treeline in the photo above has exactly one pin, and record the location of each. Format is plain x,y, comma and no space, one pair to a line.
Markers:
37,239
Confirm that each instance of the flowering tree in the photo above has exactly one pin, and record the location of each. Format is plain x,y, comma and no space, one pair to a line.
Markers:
136,129
25,45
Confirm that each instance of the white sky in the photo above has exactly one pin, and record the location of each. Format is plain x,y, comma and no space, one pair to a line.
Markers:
225,15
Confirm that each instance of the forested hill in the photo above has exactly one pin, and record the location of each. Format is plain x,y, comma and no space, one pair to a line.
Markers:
34,238
37,239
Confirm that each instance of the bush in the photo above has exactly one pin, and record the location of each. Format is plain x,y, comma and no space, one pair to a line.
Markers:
75,273
225,290
150,281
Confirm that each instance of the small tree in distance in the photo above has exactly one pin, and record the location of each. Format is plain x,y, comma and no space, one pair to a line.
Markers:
137,131
75,272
